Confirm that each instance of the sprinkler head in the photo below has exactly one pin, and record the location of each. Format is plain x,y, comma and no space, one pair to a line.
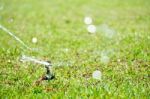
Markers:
49,74
48,77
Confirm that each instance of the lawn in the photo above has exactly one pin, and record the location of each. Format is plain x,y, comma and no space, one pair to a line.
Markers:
122,56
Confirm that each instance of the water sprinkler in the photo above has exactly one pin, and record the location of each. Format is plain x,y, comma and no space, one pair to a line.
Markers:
47,64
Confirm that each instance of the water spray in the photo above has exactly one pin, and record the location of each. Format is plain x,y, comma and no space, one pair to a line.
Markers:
15,37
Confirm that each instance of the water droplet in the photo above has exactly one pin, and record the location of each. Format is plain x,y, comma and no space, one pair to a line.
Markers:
34,40
91,29
97,75
88,20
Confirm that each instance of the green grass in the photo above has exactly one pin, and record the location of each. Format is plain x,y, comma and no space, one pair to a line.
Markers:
58,25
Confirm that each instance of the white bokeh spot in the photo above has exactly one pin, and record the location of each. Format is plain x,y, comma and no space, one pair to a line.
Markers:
97,75
34,40
91,28
88,20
